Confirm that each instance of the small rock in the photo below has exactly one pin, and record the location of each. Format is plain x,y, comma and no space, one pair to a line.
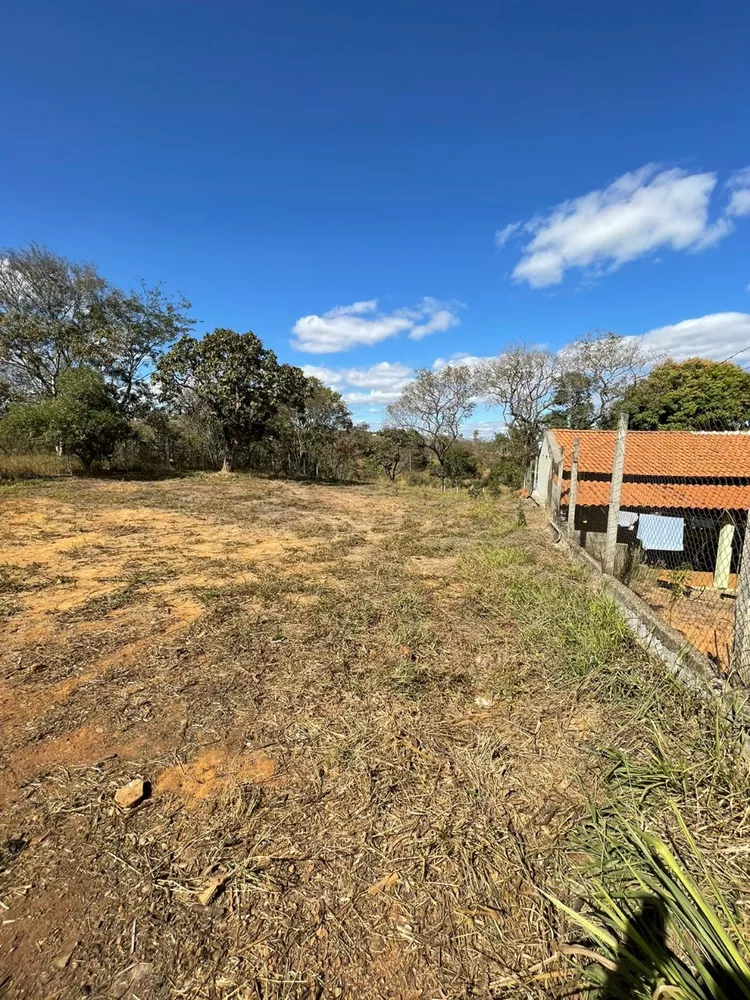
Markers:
62,961
212,890
131,794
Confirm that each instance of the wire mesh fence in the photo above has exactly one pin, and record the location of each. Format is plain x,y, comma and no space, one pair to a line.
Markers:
666,512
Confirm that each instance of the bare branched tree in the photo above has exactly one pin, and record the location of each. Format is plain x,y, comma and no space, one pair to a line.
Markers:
435,404
522,381
610,363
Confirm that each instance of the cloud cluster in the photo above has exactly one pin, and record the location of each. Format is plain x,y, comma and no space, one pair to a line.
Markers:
344,327
717,336
639,213
378,384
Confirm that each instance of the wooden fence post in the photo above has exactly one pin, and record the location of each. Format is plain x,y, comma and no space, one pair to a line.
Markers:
573,488
741,640
613,515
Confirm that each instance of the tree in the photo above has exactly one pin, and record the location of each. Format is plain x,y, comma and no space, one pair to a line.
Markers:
314,428
136,328
46,305
235,379
56,314
434,405
387,448
83,418
461,463
522,381
602,366
571,402
690,395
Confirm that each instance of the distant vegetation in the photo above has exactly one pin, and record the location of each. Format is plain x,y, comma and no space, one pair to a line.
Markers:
92,376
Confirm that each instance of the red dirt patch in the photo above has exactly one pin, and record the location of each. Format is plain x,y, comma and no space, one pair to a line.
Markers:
212,772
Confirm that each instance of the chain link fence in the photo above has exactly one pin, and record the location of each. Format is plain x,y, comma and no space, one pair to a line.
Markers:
666,512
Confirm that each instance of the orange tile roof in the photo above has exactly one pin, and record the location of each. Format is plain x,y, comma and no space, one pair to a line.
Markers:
684,454
669,455
592,493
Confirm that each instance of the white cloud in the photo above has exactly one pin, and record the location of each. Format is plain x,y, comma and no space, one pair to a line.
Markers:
503,235
469,360
386,375
638,213
487,428
344,327
717,336
739,199
378,384
384,396
330,376
356,308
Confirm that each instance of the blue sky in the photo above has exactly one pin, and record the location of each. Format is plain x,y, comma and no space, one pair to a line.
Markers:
464,175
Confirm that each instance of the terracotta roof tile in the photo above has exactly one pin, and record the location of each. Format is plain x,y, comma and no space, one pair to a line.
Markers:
670,455
683,454
693,496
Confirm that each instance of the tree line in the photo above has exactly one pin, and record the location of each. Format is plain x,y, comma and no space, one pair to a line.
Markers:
92,371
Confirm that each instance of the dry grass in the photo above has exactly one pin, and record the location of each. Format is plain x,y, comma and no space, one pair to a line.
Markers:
378,717
31,466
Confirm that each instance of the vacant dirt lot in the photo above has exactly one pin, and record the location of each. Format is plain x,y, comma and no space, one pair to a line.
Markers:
370,721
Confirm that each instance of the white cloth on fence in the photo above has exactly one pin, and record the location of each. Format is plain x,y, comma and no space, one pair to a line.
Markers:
657,531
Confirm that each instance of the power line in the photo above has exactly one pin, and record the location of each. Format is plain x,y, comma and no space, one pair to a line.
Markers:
736,353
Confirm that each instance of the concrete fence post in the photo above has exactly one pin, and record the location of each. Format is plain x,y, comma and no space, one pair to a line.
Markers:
723,565
741,640
558,484
549,496
613,515
573,487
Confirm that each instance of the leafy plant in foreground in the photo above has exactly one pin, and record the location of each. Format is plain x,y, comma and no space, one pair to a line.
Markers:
658,934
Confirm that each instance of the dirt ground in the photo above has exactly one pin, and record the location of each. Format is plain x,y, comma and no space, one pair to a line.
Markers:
365,718
703,615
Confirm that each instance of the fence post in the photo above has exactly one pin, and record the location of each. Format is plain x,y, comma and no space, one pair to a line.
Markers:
573,488
741,640
549,496
613,515
723,564
558,485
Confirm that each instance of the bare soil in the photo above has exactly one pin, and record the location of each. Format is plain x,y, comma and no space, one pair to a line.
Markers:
369,721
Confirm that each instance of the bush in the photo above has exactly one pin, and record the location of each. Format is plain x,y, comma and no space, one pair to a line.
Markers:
83,419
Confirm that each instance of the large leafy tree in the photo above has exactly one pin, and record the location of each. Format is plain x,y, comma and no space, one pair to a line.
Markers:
46,307
57,314
83,418
235,380
435,404
690,395
572,404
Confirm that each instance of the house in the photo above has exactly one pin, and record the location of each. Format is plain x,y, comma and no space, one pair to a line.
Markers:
685,494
